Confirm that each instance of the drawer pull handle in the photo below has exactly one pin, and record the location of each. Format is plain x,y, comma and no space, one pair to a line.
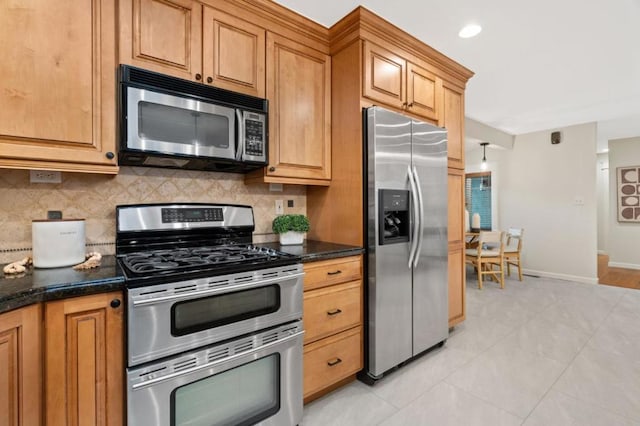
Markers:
334,362
334,272
334,312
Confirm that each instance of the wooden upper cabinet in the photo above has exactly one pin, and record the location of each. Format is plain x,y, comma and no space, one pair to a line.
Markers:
189,40
299,93
84,370
424,92
453,120
163,36
394,81
385,76
57,103
21,367
233,53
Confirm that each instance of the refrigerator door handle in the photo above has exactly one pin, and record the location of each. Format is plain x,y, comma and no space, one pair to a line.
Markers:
416,258
416,215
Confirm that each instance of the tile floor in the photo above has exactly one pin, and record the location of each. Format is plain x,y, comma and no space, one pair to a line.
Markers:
539,352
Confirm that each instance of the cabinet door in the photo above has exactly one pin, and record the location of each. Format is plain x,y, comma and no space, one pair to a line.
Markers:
453,120
385,76
456,246
84,360
21,367
456,286
299,93
424,92
57,103
163,36
233,53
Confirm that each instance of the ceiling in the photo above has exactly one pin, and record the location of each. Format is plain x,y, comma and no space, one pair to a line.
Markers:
539,65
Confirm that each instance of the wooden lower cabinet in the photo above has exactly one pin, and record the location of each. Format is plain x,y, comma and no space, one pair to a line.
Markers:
21,367
333,315
84,360
455,181
332,309
329,361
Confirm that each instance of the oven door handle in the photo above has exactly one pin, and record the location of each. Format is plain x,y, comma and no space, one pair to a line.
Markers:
215,363
212,291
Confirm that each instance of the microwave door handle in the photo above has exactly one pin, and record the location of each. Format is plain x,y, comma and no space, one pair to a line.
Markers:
240,136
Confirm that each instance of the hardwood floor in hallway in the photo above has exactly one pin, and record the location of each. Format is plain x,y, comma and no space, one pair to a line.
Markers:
619,277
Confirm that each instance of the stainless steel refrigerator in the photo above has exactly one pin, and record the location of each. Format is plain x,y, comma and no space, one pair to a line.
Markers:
406,220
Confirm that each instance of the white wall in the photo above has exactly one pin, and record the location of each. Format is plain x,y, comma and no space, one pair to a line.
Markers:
537,190
602,190
623,237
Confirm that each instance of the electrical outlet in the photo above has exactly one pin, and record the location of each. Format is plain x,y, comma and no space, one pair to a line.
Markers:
45,176
578,200
279,207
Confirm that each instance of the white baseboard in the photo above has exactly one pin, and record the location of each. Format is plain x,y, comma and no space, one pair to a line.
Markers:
623,265
565,277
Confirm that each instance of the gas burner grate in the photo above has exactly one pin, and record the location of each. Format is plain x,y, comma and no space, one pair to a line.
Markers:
190,258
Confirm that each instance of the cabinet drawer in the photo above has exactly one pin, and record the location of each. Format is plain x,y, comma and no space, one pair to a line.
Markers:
333,271
332,359
331,310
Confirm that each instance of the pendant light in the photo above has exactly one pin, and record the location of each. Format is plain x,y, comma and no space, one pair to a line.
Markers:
483,165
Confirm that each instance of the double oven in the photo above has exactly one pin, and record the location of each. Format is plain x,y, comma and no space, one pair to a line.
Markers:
214,330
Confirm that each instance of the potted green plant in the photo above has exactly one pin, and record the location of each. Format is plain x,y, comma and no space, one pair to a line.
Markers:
290,228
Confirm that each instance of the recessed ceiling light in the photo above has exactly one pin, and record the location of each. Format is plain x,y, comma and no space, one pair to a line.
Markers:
470,30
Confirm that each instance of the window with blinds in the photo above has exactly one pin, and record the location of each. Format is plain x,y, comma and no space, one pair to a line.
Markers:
477,193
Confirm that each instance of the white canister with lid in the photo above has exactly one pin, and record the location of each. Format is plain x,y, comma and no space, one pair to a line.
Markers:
58,243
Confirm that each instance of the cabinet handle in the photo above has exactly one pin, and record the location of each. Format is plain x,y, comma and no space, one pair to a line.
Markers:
209,79
410,105
272,169
109,155
334,312
115,303
334,272
334,362
198,77
404,105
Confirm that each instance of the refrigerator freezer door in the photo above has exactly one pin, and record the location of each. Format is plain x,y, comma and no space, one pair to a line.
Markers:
389,283
430,276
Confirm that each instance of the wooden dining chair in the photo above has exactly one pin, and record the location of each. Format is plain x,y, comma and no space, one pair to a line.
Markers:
487,258
512,250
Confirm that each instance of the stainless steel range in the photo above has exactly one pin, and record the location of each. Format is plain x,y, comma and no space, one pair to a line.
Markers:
214,322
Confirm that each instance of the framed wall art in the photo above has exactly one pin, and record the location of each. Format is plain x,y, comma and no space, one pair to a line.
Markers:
628,194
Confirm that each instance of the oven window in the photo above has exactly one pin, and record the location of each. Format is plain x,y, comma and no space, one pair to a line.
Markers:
215,311
184,126
244,395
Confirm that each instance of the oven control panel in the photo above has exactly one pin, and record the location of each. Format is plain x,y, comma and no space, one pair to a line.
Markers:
199,214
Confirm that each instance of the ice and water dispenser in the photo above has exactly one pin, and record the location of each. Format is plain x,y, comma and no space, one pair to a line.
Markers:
393,216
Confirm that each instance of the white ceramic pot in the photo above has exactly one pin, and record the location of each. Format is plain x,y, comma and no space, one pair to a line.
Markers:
290,238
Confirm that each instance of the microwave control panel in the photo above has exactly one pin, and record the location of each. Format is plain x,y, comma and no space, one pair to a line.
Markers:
255,136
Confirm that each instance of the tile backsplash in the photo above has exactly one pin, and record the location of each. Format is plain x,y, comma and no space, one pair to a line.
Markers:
94,197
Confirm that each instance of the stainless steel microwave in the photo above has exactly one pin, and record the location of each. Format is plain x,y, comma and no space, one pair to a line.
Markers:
170,122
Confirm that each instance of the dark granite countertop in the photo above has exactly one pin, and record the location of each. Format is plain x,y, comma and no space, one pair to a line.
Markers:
312,251
40,285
